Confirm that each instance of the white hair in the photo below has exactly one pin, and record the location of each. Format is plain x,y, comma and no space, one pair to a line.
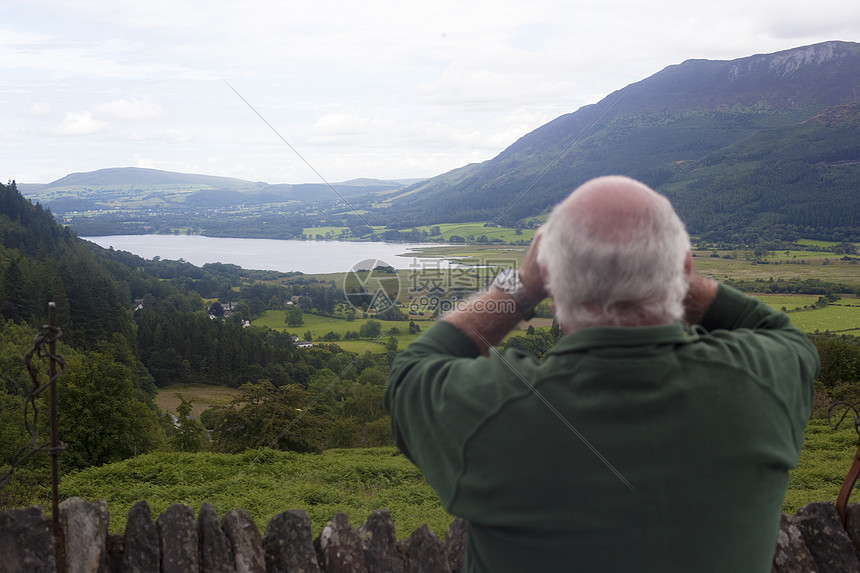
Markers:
631,275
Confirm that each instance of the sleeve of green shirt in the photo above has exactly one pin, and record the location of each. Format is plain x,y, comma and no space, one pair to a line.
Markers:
763,341
431,412
732,309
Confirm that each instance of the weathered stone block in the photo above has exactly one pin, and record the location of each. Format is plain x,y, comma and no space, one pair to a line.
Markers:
177,532
289,544
852,524
339,547
246,541
791,554
26,542
216,555
424,552
379,542
85,527
455,545
142,550
827,540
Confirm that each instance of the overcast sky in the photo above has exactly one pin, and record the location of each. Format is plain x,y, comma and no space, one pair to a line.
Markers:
376,89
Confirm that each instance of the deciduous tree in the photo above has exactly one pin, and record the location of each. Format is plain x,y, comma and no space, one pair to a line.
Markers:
100,416
190,435
261,415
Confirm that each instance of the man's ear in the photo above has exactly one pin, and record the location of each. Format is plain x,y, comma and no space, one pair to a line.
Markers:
688,264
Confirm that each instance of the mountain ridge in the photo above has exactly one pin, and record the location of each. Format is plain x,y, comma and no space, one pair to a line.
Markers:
685,112
149,176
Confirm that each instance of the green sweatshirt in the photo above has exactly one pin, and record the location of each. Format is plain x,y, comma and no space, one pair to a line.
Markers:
624,449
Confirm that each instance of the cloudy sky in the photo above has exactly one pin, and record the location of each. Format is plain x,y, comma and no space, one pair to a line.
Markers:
377,89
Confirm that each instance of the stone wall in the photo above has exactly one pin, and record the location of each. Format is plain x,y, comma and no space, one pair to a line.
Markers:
811,540
178,543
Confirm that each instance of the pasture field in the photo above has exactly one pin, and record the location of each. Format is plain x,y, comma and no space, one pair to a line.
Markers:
787,301
833,318
322,325
203,396
840,316
828,269
477,229
822,244
274,319
366,346
446,230
789,256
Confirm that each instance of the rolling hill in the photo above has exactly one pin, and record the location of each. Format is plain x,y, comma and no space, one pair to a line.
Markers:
130,186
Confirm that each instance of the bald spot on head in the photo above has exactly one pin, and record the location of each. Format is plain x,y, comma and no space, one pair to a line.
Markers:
611,208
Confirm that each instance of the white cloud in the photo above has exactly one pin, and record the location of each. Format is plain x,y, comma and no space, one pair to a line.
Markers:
344,124
123,109
82,123
798,21
139,161
40,109
175,136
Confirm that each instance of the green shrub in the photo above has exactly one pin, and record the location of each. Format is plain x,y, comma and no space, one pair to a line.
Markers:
265,483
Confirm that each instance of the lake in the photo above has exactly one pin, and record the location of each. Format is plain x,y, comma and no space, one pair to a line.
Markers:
268,254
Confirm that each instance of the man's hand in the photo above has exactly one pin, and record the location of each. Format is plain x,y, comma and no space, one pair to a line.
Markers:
699,297
487,318
531,275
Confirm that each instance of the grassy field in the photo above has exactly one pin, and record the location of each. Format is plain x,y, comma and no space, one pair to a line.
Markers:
204,396
319,326
833,318
787,301
841,316
333,231
821,244
470,231
828,269
475,230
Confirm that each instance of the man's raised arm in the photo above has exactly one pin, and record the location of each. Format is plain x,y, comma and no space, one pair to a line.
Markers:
489,316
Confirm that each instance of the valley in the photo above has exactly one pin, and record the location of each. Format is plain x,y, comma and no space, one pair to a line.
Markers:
282,372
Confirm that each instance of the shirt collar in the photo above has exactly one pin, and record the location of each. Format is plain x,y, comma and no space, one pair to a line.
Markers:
617,336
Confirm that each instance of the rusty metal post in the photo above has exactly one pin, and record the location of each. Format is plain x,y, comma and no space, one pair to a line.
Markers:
853,472
55,443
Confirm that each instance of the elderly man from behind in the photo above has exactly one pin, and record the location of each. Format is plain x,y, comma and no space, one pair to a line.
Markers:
634,444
